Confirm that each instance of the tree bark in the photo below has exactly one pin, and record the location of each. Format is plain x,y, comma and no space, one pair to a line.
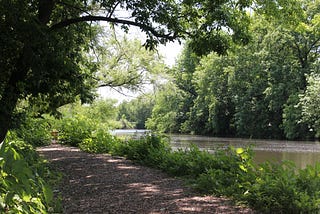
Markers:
45,10
11,92
8,103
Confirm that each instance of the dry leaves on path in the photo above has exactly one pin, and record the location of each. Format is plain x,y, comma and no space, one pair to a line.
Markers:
105,184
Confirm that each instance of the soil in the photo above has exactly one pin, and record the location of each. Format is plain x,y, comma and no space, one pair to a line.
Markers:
100,183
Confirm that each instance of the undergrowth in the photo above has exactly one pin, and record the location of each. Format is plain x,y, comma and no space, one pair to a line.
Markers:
267,188
24,182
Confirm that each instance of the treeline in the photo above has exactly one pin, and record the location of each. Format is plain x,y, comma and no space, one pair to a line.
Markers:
267,89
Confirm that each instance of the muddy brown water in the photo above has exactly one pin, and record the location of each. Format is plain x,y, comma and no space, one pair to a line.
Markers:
302,153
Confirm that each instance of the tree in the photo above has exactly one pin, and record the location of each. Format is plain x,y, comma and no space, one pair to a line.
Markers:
137,111
214,101
174,99
309,103
127,64
253,91
166,113
46,42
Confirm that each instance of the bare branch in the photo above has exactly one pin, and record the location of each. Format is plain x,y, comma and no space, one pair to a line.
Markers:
113,9
120,92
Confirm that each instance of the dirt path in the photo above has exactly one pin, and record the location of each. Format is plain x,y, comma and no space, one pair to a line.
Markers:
105,184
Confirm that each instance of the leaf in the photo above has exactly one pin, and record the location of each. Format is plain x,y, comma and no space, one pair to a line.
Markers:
26,197
47,192
239,150
243,168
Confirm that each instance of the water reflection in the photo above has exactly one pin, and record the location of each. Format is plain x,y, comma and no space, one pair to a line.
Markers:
301,159
301,153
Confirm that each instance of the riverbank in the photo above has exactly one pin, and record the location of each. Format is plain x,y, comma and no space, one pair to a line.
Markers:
104,184
302,153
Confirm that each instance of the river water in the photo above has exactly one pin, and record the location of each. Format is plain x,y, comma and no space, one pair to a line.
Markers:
302,153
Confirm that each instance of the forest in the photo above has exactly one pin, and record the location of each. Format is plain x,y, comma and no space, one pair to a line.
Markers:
267,89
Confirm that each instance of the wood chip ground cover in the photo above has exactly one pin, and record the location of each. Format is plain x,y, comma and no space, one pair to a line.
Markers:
104,184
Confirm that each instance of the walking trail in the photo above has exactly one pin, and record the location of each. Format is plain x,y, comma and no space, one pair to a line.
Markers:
104,184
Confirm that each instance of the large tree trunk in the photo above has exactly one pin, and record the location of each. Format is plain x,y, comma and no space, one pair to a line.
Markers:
8,103
12,92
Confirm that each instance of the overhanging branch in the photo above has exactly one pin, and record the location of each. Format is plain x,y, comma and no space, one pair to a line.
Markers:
88,18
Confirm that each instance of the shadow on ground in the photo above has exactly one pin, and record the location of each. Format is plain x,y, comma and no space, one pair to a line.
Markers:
105,184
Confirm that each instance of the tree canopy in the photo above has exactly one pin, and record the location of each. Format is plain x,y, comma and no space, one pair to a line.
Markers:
266,89
46,43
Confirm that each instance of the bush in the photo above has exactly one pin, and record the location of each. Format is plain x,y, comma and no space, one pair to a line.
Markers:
23,188
74,130
34,131
231,173
191,162
146,150
274,189
282,188
101,141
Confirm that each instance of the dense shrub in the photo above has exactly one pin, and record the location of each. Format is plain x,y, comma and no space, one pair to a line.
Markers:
190,162
23,183
231,173
145,150
280,188
101,141
34,131
274,189
308,183
74,130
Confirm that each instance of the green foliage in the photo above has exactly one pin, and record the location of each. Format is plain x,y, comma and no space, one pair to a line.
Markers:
278,188
136,111
24,179
308,183
49,45
231,175
274,188
34,131
190,162
253,91
74,130
80,122
214,101
267,188
143,150
101,141
310,102
173,101
102,111
166,112
125,63
294,126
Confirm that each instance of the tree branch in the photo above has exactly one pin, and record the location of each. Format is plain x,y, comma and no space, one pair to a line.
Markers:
73,7
45,8
87,18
